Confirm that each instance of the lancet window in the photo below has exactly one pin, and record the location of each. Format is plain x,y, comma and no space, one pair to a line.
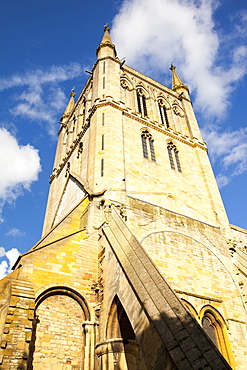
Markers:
208,324
141,103
173,157
213,326
148,145
163,113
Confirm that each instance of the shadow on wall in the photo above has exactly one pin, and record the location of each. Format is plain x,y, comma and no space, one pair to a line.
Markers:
123,349
32,343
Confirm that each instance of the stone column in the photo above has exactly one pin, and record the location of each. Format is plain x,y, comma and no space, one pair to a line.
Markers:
89,345
117,354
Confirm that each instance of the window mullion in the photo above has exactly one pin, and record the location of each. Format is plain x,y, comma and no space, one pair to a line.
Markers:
144,146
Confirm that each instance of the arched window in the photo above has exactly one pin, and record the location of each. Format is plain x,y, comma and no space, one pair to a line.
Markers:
214,326
148,145
163,113
173,156
141,103
208,324
190,308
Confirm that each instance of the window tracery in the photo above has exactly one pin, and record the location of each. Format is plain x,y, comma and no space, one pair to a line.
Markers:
177,110
173,156
124,84
163,113
148,145
213,325
141,102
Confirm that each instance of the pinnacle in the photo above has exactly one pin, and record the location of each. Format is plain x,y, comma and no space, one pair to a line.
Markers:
106,41
176,80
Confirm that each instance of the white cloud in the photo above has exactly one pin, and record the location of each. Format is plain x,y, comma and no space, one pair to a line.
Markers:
3,269
2,252
15,232
19,167
230,148
39,77
42,98
222,180
151,34
11,256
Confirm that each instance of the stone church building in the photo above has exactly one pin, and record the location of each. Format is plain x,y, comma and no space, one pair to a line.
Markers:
138,267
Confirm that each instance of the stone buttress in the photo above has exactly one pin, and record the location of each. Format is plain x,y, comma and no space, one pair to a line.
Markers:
138,267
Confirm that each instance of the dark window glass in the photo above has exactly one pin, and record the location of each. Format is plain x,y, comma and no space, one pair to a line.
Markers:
144,146
173,157
146,136
144,106
163,114
151,144
141,103
210,329
177,160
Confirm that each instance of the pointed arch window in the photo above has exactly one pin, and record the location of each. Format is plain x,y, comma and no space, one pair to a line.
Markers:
214,327
173,157
163,113
141,103
148,145
209,328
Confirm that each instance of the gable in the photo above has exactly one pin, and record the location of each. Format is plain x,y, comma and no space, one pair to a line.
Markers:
72,194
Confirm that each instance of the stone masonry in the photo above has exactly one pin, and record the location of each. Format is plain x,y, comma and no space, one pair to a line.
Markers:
138,267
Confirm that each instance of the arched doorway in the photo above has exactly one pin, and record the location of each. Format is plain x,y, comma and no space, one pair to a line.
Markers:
119,350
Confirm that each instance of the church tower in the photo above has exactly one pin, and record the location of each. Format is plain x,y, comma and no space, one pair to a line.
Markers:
138,267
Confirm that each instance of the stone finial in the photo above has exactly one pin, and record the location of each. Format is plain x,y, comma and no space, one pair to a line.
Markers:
177,83
69,107
106,43
106,28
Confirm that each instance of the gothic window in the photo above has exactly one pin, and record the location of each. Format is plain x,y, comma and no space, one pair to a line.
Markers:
173,157
213,325
163,113
209,328
103,142
141,103
148,145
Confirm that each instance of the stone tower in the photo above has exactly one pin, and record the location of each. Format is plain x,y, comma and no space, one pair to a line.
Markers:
137,267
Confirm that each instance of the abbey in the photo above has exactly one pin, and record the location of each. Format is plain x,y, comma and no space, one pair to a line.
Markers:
138,267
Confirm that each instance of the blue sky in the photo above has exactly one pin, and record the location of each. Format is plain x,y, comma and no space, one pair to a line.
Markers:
47,45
